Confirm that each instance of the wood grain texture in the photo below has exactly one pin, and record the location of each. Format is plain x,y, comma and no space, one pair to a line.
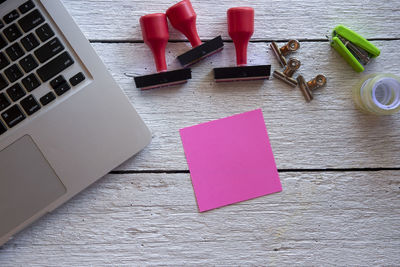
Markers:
329,132
320,219
274,20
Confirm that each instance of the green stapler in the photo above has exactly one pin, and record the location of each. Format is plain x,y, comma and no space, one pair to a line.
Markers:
354,48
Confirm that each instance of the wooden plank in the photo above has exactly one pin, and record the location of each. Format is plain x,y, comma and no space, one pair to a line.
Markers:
329,132
320,218
274,20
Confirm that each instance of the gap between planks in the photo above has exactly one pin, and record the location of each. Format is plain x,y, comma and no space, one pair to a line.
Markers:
134,41
279,170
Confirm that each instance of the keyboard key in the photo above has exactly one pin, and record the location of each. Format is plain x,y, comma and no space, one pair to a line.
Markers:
25,7
1,24
49,50
44,32
4,62
55,66
3,42
15,51
47,98
13,116
4,102
31,20
30,82
10,17
13,73
15,92
3,128
57,81
3,82
60,90
29,42
30,105
12,32
77,78
28,63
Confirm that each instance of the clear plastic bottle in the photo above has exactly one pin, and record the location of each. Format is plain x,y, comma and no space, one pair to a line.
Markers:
378,94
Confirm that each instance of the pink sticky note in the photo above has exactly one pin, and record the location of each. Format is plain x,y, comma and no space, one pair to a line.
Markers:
230,160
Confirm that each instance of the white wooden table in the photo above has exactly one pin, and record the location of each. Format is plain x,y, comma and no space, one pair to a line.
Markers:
340,169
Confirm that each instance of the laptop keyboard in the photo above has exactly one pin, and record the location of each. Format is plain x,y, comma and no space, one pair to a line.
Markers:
31,54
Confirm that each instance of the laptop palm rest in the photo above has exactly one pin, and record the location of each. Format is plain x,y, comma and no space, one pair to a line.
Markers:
27,183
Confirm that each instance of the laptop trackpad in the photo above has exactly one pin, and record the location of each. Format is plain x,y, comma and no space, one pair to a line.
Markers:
27,183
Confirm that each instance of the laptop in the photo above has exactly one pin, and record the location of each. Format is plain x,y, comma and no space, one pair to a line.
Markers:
64,122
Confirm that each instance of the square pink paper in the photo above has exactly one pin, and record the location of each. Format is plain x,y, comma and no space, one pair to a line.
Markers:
230,160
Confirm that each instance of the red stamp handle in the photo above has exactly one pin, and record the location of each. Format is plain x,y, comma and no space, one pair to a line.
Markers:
240,29
183,18
155,35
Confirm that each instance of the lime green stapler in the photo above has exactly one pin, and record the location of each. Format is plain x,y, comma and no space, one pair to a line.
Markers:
354,48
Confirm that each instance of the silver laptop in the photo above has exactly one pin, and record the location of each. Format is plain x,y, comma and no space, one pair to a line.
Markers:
64,122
